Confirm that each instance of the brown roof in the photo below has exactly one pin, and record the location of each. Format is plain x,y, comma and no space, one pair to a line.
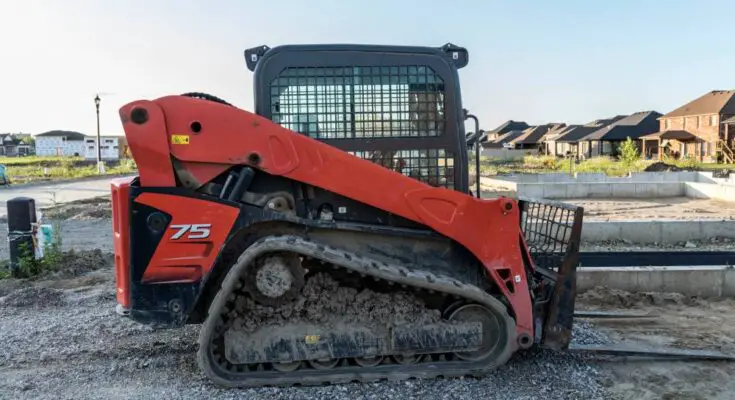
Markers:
714,102
676,135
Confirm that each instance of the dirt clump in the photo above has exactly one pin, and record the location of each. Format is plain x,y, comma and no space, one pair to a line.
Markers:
604,296
324,301
663,167
33,297
76,263
94,208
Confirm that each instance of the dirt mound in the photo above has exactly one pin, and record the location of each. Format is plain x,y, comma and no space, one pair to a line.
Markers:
663,167
75,263
94,208
34,296
604,296
95,213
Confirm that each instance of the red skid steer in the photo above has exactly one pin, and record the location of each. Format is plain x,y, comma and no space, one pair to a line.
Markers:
332,234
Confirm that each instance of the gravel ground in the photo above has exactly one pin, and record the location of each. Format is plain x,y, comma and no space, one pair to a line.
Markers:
62,339
713,244
678,321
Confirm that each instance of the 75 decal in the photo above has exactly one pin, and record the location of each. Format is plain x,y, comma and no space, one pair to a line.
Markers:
191,231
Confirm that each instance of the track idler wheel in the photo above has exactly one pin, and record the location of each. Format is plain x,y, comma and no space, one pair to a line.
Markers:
275,279
494,336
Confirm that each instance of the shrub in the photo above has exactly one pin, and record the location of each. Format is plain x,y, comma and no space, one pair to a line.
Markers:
628,152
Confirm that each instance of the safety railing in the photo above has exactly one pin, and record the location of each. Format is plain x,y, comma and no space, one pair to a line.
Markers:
727,152
552,231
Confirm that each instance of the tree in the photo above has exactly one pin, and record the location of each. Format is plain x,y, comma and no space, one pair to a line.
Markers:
628,152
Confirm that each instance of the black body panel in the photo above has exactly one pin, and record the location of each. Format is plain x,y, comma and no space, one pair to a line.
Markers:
174,304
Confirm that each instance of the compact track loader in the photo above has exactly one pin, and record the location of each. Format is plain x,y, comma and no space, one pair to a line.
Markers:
331,235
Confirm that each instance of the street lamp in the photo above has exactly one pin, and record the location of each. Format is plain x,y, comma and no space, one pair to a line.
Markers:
99,140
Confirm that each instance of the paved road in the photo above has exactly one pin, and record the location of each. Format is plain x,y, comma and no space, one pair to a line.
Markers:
46,194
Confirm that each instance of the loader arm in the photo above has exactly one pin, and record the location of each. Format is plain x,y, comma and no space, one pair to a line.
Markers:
185,141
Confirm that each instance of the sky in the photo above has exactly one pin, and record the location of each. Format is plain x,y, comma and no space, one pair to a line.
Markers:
537,61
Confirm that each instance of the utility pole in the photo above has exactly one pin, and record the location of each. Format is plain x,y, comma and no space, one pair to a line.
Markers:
100,168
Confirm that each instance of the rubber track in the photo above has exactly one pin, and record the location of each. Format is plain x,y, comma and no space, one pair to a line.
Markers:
344,374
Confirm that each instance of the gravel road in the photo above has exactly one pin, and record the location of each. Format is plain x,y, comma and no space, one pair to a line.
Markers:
47,194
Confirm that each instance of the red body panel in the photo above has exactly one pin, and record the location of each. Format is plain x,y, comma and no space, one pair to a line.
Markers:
120,189
188,258
230,136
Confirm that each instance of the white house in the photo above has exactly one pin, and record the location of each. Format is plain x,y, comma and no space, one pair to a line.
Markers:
60,143
110,149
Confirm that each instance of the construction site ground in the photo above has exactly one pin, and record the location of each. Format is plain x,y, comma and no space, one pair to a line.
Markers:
670,208
61,338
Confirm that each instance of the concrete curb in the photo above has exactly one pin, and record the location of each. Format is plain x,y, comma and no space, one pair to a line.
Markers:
701,281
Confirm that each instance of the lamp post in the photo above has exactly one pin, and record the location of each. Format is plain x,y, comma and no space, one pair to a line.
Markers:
99,140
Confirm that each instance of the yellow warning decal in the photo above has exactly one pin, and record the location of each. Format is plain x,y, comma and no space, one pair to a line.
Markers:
311,339
179,139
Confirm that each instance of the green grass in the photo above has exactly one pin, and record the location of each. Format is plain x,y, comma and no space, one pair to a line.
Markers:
607,165
38,160
33,169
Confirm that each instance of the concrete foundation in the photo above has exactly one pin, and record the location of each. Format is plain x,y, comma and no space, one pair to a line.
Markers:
634,177
596,185
662,232
701,281
646,232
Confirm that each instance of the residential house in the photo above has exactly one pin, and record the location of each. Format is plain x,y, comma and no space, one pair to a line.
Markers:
503,129
532,137
501,140
12,145
695,129
112,147
551,147
571,142
605,141
60,143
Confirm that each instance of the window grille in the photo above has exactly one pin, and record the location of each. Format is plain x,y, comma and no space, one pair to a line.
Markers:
359,102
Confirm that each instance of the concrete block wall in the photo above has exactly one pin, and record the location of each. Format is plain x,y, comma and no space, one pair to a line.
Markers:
583,177
600,190
662,232
700,281
634,177
697,190
643,232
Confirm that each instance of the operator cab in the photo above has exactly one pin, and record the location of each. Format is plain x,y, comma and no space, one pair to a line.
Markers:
397,106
